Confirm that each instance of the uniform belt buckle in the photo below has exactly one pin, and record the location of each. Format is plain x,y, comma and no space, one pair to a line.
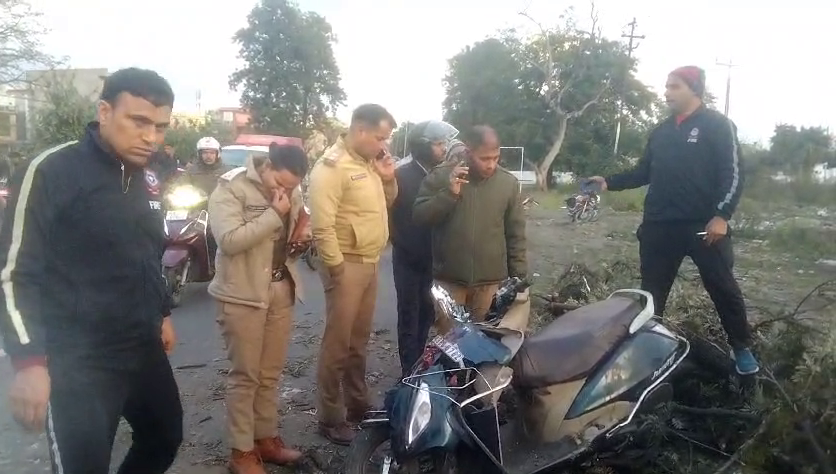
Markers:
279,274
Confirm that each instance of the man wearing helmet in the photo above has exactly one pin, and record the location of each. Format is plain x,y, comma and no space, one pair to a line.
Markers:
203,173
411,243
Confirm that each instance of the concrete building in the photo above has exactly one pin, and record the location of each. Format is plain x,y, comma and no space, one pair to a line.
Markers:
8,121
33,95
235,117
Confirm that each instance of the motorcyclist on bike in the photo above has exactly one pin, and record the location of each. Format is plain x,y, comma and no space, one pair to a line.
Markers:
203,173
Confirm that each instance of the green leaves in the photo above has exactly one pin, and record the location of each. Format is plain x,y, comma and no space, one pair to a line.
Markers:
524,86
291,82
63,115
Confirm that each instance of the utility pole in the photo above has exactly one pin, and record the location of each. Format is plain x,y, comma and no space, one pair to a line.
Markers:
631,46
729,65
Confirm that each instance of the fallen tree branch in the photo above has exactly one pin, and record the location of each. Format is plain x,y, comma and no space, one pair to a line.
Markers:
716,412
806,425
735,458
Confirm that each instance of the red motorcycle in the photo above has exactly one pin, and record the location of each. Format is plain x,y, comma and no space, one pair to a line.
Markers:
186,258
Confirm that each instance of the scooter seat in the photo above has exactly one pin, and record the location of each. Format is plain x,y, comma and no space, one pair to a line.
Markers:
571,346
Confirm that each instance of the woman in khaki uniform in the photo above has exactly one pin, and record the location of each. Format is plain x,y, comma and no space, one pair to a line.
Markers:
253,214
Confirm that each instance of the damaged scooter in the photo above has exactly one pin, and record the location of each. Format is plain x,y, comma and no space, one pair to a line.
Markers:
581,387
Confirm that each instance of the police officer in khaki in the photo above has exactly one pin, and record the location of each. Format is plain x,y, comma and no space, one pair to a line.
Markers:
253,212
352,186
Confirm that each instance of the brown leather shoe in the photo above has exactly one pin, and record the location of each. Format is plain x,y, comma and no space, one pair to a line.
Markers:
340,434
245,462
274,451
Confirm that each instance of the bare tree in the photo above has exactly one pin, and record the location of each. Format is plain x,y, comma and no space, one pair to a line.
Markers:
560,77
20,41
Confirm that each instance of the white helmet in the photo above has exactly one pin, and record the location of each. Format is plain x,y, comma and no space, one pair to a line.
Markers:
208,143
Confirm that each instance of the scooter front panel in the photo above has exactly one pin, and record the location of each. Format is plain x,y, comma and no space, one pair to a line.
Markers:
627,372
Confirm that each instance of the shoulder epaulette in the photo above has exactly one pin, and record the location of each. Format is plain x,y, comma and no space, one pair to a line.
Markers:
233,173
333,155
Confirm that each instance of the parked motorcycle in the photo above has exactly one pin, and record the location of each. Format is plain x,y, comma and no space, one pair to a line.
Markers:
582,384
186,257
585,206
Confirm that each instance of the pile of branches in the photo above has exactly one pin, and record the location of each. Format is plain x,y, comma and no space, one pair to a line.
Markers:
781,421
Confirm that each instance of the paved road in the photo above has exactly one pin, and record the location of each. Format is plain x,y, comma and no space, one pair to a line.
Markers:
200,365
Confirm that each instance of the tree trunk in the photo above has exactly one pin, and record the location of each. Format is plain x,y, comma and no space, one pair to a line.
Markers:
538,175
545,165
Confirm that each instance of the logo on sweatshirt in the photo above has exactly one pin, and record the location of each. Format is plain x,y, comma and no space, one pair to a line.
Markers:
695,133
151,182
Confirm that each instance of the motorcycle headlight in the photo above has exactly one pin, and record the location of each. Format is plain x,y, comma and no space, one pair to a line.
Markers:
185,197
419,417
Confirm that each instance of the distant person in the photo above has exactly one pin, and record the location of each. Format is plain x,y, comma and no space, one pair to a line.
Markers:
203,173
6,170
412,243
85,318
478,223
693,166
456,151
163,165
352,186
254,213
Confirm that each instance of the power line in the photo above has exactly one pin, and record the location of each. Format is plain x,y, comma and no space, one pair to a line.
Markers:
729,65
632,45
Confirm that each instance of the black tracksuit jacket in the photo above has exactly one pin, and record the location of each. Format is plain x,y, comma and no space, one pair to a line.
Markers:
693,168
414,242
80,253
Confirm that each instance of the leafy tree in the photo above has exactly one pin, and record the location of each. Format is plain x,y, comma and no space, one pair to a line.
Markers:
291,82
398,145
64,115
800,149
20,46
530,89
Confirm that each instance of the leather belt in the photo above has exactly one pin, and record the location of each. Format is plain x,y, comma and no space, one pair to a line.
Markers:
279,274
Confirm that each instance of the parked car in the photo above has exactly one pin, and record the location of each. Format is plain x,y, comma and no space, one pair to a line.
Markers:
248,145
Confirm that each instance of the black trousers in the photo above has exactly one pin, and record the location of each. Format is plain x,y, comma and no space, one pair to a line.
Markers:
663,246
87,402
416,311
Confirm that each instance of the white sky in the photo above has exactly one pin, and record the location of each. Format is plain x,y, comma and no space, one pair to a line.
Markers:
395,52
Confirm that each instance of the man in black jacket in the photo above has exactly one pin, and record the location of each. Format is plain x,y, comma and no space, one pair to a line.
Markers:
692,166
411,243
85,312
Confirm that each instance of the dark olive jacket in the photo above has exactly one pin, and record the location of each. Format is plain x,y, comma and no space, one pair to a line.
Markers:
478,237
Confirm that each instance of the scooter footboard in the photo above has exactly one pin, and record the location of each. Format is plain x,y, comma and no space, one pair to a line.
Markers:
545,410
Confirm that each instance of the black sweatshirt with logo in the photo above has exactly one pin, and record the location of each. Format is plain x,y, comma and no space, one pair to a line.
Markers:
693,169
80,253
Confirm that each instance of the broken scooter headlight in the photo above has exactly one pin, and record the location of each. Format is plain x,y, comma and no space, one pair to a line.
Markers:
419,417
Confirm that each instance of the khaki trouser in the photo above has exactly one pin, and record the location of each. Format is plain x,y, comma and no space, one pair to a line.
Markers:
476,298
349,306
256,342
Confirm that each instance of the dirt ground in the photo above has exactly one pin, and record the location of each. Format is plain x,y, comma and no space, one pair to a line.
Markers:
769,279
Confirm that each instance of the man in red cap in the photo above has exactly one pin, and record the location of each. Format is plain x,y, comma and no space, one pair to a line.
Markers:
692,164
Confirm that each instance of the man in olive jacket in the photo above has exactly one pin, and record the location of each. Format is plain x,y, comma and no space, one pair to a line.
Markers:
477,220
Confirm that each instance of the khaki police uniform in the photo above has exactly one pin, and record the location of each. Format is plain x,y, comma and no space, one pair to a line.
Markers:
256,285
349,215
